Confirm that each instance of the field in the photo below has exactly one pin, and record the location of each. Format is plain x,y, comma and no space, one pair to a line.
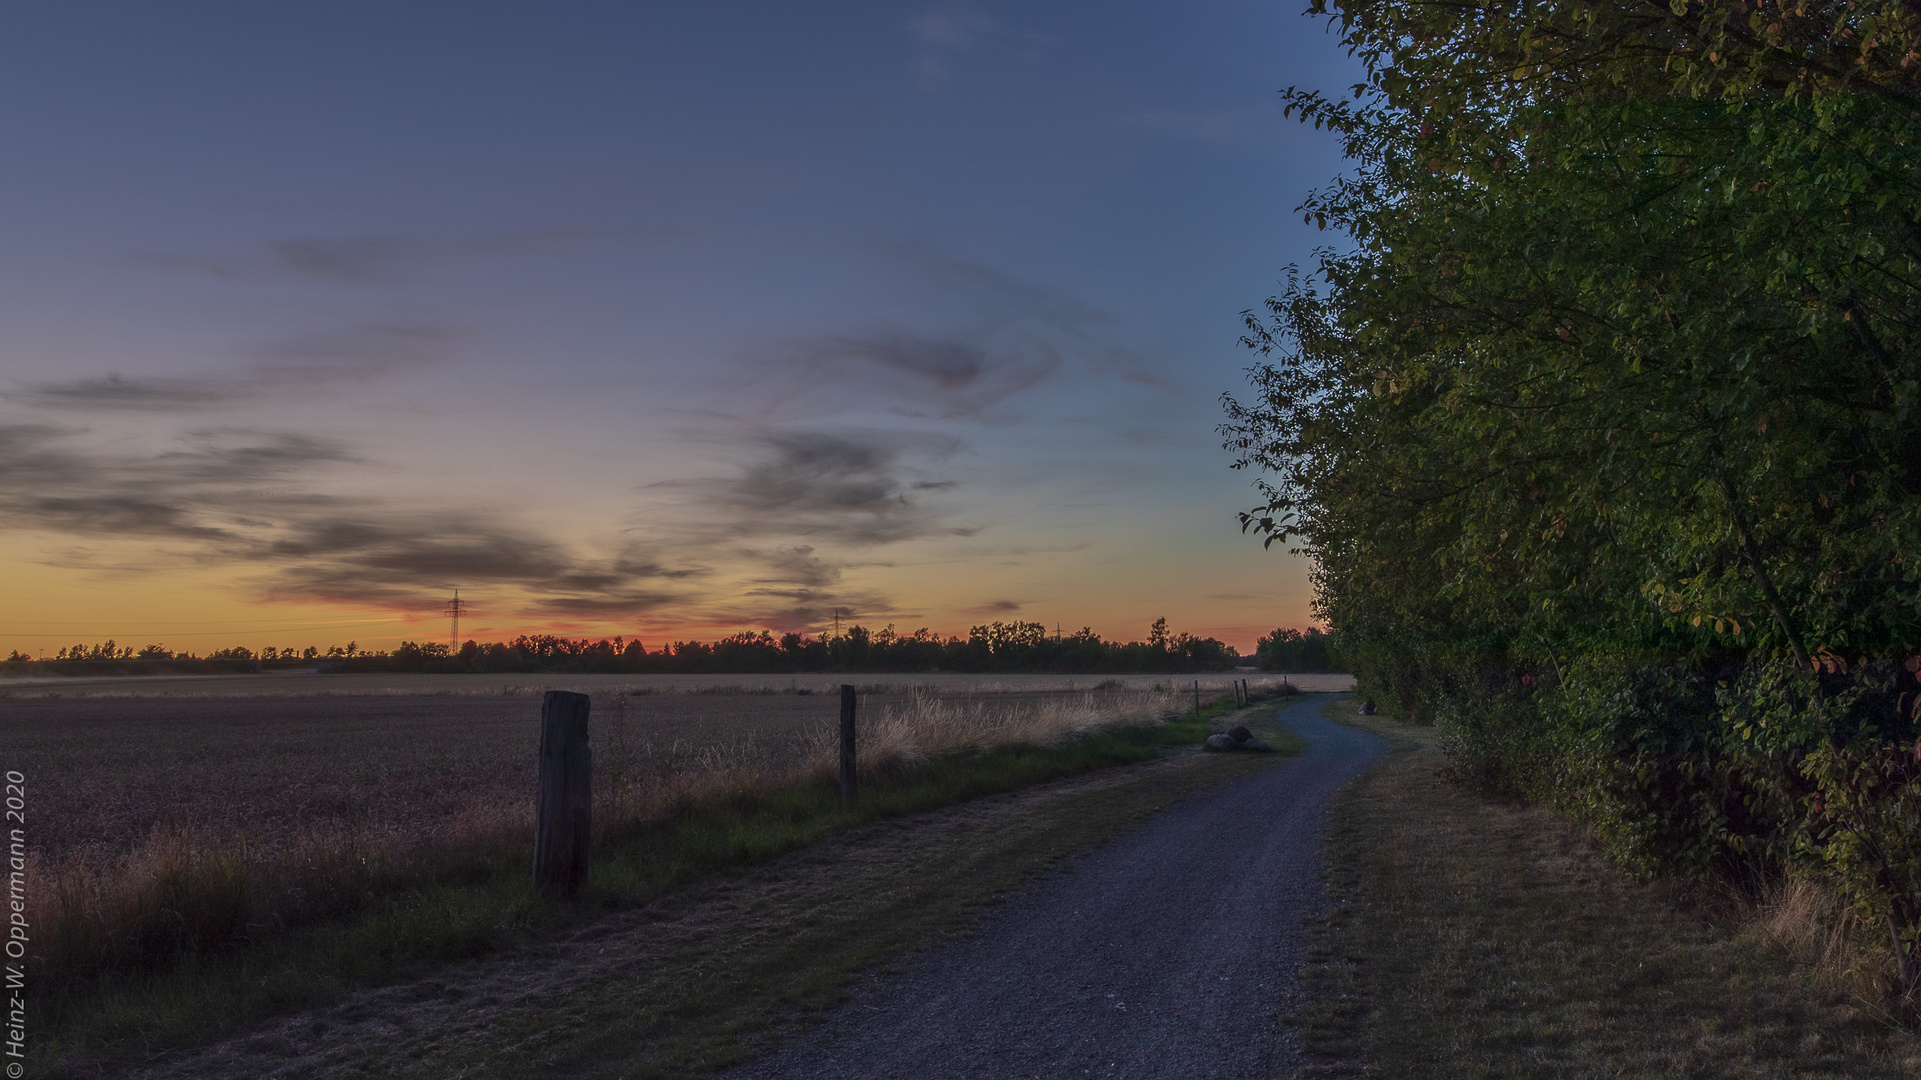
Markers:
173,817
113,762
298,683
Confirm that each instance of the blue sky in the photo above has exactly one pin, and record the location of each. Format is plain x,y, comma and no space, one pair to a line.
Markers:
638,318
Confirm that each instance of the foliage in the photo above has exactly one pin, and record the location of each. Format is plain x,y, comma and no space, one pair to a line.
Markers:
1287,649
995,647
1602,431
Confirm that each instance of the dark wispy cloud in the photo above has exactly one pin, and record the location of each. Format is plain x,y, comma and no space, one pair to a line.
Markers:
951,377
204,488
115,391
249,499
994,607
797,566
998,297
410,558
850,488
301,363
1001,338
803,608
768,545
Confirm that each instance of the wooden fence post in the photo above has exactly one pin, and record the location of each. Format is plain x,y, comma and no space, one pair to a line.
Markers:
563,808
849,783
1197,698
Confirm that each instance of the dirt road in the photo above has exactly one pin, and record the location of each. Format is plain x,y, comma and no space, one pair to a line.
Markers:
1169,952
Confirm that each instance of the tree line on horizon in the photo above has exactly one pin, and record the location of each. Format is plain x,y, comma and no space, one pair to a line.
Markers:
994,647
1601,423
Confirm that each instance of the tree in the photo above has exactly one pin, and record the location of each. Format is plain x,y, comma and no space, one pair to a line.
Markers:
1601,428
1287,649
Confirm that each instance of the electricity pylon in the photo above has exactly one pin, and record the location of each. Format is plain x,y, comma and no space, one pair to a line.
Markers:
454,608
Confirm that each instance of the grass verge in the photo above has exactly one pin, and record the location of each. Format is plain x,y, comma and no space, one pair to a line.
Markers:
1472,937
102,1025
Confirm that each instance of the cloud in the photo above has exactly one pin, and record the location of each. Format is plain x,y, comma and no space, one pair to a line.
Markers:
849,488
994,607
620,605
948,376
245,498
798,566
942,35
999,297
351,259
959,28
116,392
300,363
766,546
808,610
1003,338
37,460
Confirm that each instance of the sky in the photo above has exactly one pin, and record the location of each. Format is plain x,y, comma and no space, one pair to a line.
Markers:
662,320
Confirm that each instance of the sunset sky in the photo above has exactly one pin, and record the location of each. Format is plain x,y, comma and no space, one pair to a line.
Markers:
665,320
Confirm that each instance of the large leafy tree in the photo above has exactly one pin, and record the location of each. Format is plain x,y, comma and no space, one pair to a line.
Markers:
1601,423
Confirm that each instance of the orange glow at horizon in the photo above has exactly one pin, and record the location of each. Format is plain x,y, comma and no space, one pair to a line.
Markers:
203,609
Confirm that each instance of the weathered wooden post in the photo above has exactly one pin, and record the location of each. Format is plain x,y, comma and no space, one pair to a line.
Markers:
849,783
563,808
1197,697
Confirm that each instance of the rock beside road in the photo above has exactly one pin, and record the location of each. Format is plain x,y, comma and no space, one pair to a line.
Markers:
1238,739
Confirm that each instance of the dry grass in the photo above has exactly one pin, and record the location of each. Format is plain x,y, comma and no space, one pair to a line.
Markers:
921,726
189,826
1841,952
1481,938
700,978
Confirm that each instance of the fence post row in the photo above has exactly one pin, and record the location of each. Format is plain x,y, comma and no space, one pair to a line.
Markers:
848,781
563,807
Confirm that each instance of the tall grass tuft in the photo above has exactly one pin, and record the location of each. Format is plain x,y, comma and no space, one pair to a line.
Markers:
907,734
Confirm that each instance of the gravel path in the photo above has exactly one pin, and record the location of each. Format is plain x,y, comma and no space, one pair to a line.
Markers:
1171,952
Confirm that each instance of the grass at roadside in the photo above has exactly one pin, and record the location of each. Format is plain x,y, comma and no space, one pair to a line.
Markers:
1477,938
424,928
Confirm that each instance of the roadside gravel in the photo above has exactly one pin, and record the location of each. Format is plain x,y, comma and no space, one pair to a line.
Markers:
1169,952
